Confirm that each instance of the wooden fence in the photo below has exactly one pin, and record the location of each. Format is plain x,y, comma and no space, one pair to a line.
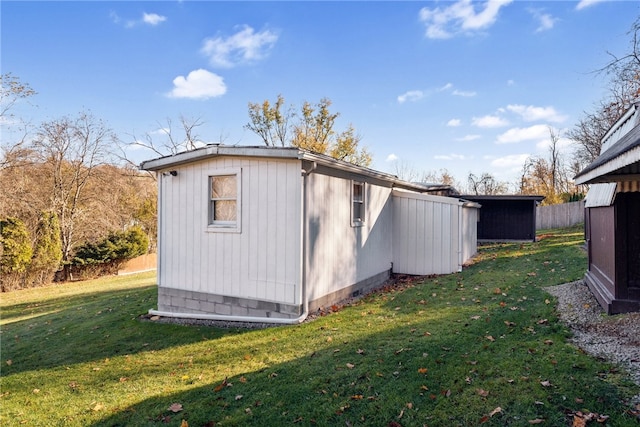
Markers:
558,216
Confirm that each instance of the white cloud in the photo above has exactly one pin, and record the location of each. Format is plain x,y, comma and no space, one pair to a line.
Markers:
199,84
511,82
564,145
411,96
454,123
530,113
391,158
245,46
456,92
510,161
153,18
489,122
464,93
460,17
468,138
583,4
514,135
450,157
545,20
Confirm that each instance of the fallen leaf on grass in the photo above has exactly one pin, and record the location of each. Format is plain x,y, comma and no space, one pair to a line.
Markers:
350,365
543,322
536,421
97,407
238,397
545,383
490,338
175,407
506,322
578,421
356,397
220,386
483,393
184,423
422,370
495,411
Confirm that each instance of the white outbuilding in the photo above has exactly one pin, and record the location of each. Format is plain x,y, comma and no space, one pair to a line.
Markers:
265,234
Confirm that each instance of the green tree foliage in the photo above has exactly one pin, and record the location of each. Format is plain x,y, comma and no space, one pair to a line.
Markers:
15,252
47,251
118,246
269,122
313,130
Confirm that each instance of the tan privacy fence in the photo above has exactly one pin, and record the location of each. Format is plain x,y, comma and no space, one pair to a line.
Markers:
558,216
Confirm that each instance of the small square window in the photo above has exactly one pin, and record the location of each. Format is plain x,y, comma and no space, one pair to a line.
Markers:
357,204
224,201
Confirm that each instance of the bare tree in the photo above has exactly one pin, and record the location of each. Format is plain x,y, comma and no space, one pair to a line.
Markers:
624,90
13,152
549,177
72,151
166,140
485,184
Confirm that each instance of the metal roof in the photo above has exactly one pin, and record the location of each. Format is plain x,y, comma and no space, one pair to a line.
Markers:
619,161
292,153
501,197
600,195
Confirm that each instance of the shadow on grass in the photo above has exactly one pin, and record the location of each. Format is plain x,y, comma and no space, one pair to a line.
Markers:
379,380
81,328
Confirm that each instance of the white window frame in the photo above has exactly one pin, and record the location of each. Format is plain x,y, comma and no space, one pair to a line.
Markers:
358,222
224,226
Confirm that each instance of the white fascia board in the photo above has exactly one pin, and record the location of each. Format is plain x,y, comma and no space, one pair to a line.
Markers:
217,150
276,153
625,159
428,197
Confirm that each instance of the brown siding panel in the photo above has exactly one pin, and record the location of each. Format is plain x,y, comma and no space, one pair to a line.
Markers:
602,244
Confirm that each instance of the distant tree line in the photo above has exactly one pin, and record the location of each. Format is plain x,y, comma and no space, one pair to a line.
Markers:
70,206
63,190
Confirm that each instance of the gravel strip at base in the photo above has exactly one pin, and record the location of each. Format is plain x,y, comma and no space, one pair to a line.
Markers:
615,339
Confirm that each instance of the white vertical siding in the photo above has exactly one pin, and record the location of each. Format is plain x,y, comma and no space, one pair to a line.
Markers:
469,231
426,234
338,254
262,260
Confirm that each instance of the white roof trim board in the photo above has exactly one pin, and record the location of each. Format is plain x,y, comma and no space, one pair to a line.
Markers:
293,153
620,156
600,195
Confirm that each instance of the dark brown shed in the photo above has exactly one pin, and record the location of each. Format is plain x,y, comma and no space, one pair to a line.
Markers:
506,217
612,217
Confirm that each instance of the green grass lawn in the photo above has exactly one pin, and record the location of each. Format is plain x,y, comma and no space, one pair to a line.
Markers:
483,346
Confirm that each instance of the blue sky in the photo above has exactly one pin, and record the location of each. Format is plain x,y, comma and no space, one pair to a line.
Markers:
457,85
